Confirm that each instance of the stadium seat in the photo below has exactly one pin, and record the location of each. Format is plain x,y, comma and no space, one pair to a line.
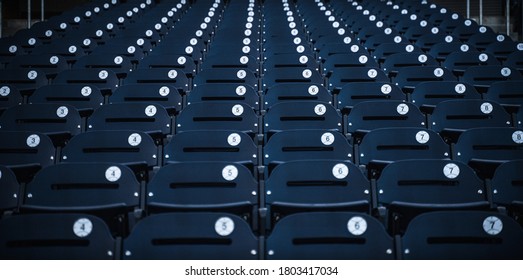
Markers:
428,95
55,237
462,235
329,235
105,80
10,190
9,96
166,96
191,236
84,98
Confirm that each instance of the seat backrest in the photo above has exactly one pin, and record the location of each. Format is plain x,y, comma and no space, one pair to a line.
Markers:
354,93
23,148
226,76
217,116
345,76
409,77
166,96
462,235
218,186
507,182
302,115
334,185
300,144
105,79
329,235
85,98
150,118
290,75
429,94
225,92
55,237
163,76
292,92
392,144
25,80
506,93
121,65
86,187
484,76
225,145
196,235
48,64
369,115
9,96
133,148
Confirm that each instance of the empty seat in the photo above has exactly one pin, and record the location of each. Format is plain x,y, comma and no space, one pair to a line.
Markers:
333,186
506,188
182,63
225,92
58,121
226,76
484,76
150,118
225,145
487,147
452,117
427,95
119,64
385,145
369,115
462,235
106,189
329,235
55,237
291,92
302,115
48,64
133,148
195,186
409,77
105,80
84,98
162,76
191,236
25,80
459,62
218,116
9,96
290,75
506,93
292,145
355,74
354,93
394,63
410,187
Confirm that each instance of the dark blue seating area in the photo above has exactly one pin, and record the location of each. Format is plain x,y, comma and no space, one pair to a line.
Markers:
276,129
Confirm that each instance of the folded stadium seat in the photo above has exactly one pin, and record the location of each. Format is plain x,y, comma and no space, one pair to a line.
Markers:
506,188
428,41
149,34
370,115
10,190
396,62
382,146
290,145
26,41
159,76
225,145
507,93
427,95
133,48
58,121
121,65
9,96
486,148
150,118
181,63
450,118
383,51
443,16
370,35
302,115
413,32
105,80
210,186
519,119
129,147
353,93
333,186
193,236
280,45
329,235
504,48
292,92
356,74
458,62
436,184
51,65
195,52
26,152
409,77
25,80
209,115
225,76
482,40
84,98
166,96
515,60
484,76
441,50
55,237
106,190
462,235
